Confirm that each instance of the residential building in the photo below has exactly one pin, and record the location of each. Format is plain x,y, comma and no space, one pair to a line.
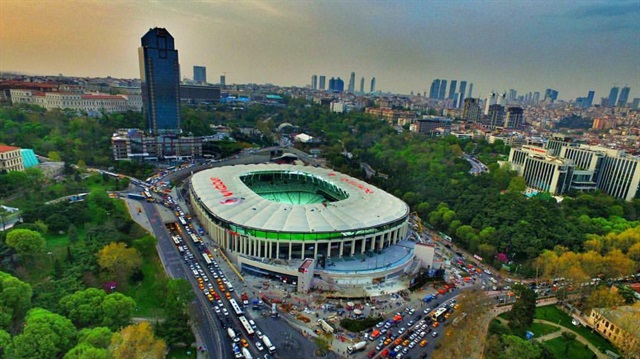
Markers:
495,116
620,326
515,117
471,110
10,159
432,125
160,79
200,74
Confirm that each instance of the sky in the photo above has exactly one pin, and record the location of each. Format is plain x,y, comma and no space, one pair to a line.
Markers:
571,46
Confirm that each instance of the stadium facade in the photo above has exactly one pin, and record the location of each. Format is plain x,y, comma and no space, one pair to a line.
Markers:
269,218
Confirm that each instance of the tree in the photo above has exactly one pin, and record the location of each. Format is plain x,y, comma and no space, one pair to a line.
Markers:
119,261
46,336
603,297
86,351
516,347
137,341
175,328
26,242
99,337
72,232
15,299
84,307
523,310
117,310
146,245
517,184
5,340
568,338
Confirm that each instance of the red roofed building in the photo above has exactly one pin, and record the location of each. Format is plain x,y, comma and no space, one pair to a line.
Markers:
10,159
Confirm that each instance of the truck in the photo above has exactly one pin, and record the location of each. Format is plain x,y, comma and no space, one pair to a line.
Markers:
232,335
356,347
428,298
274,310
267,344
245,299
326,326
246,353
374,335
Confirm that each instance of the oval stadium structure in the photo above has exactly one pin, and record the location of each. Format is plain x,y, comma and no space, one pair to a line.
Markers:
294,220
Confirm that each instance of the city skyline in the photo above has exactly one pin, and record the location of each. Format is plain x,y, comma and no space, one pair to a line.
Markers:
570,47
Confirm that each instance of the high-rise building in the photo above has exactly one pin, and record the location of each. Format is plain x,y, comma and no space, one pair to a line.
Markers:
361,85
624,96
452,89
336,85
513,95
635,105
491,100
471,110
352,83
373,84
434,91
496,116
443,90
314,82
470,90
463,88
540,170
200,74
160,80
515,117
590,96
613,96
551,95
502,99
535,98
223,81
322,81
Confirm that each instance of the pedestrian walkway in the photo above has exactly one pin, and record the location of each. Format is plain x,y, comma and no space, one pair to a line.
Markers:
579,337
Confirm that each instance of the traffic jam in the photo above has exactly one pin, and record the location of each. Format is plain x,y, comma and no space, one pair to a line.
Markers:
247,341
408,331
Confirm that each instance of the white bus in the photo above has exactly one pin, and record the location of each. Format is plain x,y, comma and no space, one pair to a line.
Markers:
195,239
246,326
235,306
206,258
438,313
182,221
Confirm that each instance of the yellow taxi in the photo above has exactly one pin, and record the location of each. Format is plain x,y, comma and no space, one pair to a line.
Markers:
423,342
244,343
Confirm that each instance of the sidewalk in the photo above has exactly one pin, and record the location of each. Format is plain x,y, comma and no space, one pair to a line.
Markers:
579,337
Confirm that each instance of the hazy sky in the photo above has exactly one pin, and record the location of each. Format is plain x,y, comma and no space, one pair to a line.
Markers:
571,46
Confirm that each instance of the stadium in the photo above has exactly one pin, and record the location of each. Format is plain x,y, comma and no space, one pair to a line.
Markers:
269,218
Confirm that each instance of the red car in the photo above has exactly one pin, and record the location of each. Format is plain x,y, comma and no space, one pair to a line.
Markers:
371,353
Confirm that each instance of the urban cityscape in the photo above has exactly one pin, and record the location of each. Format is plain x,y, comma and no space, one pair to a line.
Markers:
384,198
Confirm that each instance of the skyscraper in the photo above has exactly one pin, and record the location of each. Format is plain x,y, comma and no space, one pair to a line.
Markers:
435,89
200,74
491,100
362,85
470,90
515,117
160,80
322,80
452,89
513,95
223,81
463,88
590,96
613,96
443,89
624,96
502,99
551,95
314,82
352,83
373,84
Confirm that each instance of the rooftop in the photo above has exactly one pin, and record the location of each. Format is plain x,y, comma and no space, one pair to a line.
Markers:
626,317
4,148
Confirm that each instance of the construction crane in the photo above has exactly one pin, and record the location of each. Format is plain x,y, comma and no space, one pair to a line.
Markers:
418,221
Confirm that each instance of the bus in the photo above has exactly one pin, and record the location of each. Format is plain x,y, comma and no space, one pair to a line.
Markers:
195,239
246,326
235,306
182,221
438,314
207,259
148,196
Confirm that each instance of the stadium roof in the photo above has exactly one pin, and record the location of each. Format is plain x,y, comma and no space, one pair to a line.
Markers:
224,194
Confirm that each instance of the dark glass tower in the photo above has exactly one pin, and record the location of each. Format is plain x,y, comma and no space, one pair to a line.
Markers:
160,77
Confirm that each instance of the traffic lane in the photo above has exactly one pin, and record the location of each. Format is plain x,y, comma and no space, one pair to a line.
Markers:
176,268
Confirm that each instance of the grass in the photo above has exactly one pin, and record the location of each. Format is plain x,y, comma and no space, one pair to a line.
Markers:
577,350
181,353
540,329
555,315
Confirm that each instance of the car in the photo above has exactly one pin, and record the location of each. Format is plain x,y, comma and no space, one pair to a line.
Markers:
423,334
398,341
412,345
259,346
435,324
227,295
397,349
244,342
405,350
406,342
380,325
217,309
252,323
372,353
413,336
387,341
378,347
423,342
434,334
402,330
259,334
225,311
410,323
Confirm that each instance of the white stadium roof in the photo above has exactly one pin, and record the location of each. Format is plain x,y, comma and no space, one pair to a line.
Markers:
367,206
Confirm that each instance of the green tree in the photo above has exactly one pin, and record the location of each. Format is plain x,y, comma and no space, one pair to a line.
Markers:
99,337
146,245
175,328
72,232
523,310
15,300
26,242
86,351
46,335
5,341
117,310
568,338
517,185
84,307
516,347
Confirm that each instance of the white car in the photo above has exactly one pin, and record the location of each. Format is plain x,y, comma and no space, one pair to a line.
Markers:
259,334
259,346
217,309
252,323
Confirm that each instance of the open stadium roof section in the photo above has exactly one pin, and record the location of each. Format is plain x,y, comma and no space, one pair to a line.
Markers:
347,204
